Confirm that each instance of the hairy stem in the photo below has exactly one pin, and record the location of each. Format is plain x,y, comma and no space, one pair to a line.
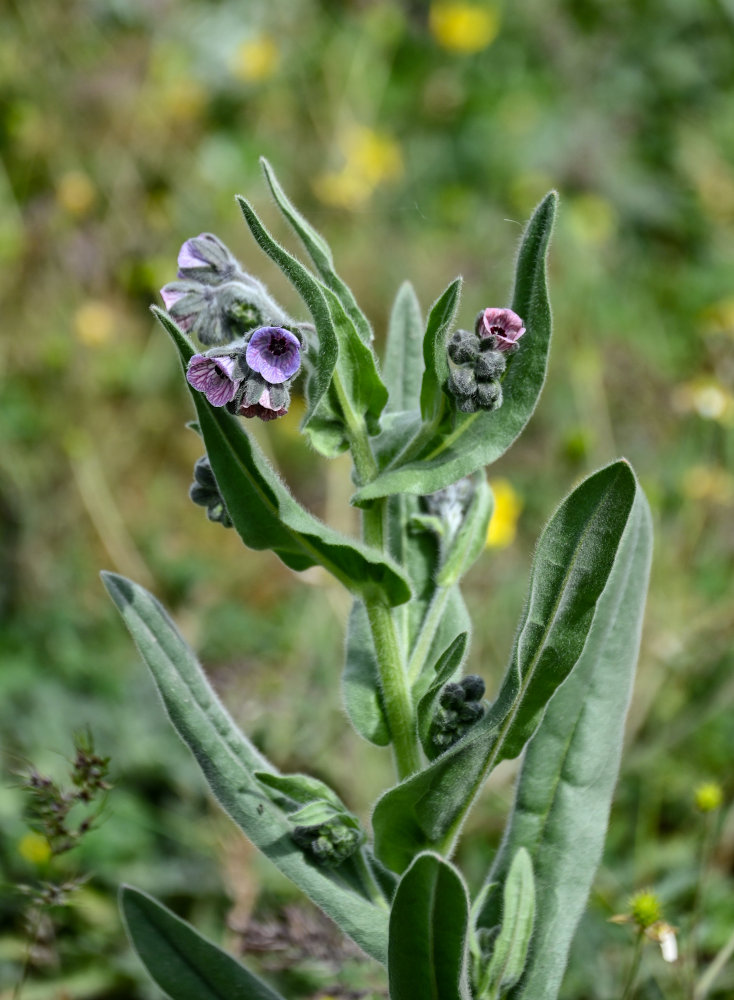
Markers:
395,690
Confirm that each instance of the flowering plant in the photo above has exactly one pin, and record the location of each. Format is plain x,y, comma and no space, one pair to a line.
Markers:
421,428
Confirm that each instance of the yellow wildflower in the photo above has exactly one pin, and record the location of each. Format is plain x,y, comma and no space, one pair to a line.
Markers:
94,323
708,797
370,158
75,192
463,27
644,909
503,523
34,848
256,59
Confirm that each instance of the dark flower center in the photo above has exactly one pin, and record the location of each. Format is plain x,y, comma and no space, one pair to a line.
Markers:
278,346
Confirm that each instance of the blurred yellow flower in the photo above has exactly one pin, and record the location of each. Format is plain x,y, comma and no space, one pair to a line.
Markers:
256,59
503,523
94,323
463,27
719,316
708,797
34,848
708,482
75,192
183,99
592,219
644,908
370,158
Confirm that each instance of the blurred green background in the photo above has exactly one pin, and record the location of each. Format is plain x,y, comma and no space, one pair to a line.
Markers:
417,137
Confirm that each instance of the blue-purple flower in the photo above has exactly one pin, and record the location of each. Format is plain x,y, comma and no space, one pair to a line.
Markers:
275,353
217,377
205,258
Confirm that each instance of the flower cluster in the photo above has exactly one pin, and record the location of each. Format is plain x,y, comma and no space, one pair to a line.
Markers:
204,491
479,359
460,708
251,377
214,299
328,843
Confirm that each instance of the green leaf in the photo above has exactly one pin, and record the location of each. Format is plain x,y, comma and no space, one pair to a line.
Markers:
445,669
291,790
265,514
320,253
573,563
477,439
427,956
436,361
403,368
471,538
183,963
359,390
229,762
361,680
518,915
567,780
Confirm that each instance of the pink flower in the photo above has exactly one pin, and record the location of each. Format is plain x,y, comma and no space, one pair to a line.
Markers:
263,408
502,324
215,377
275,353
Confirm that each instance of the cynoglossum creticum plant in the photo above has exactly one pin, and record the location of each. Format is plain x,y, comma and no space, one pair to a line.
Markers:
421,428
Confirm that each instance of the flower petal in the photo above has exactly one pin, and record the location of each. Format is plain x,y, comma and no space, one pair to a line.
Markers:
275,353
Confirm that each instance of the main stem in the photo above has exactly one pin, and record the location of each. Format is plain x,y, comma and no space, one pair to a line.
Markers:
395,691
396,697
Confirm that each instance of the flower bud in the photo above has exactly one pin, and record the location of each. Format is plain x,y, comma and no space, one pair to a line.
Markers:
463,347
489,365
329,843
489,395
473,687
205,493
206,259
452,696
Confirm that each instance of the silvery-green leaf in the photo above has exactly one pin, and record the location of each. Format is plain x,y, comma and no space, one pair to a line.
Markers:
403,368
511,946
478,439
183,963
267,516
229,762
567,780
320,253
573,562
428,955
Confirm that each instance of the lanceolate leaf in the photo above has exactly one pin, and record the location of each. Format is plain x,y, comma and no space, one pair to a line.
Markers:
427,956
403,368
267,516
477,439
436,362
229,762
344,351
182,962
361,680
573,563
510,951
320,253
567,780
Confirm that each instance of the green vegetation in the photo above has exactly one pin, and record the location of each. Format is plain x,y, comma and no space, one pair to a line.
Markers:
124,128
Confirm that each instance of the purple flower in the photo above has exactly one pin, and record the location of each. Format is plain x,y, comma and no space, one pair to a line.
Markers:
171,294
215,377
502,324
274,353
207,259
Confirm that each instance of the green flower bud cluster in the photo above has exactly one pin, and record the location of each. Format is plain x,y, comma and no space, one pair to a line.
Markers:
459,709
477,368
205,492
329,843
